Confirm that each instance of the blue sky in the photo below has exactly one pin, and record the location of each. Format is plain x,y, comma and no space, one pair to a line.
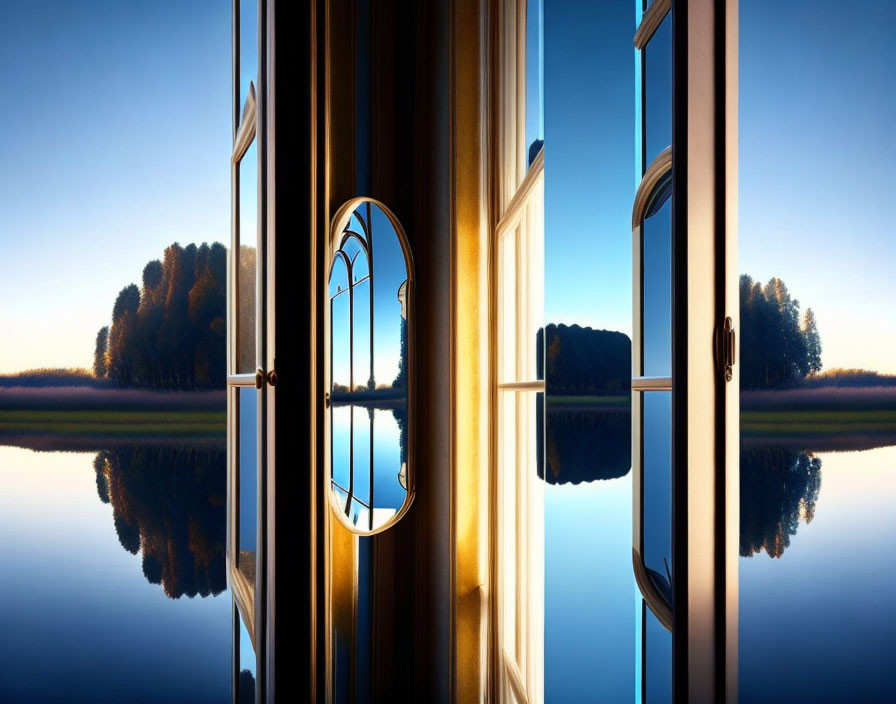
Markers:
117,119
116,143
817,99
817,103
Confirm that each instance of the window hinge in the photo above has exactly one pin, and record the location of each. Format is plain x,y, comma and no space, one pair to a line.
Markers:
728,347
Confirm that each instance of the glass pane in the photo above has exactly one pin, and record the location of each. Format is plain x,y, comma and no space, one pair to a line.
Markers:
657,292
507,496
246,678
361,454
534,79
247,470
248,240
340,348
656,511
248,47
390,460
363,373
340,429
507,289
532,284
657,660
369,373
658,91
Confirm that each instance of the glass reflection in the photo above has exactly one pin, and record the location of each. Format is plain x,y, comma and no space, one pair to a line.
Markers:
246,659
247,470
534,79
657,57
246,281
368,291
657,290
248,47
656,513
657,660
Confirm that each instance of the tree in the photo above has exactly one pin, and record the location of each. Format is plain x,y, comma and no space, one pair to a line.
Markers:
171,333
99,353
813,341
122,347
777,349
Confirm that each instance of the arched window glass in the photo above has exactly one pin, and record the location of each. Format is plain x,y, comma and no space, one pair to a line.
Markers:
370,322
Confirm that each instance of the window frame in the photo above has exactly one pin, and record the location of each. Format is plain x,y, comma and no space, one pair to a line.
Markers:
518,191
653,181
705,413
248,599
337,228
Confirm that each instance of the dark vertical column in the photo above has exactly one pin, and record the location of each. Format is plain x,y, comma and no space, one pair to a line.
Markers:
297,222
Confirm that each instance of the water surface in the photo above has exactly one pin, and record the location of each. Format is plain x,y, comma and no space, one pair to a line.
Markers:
113,579
816,616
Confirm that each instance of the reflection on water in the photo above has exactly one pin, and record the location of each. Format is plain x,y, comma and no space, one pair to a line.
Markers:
816,624
584,444
169,505
103,545
589,609
369,459
779,487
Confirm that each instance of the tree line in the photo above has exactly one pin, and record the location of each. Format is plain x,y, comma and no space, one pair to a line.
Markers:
779,346
171,332
575,360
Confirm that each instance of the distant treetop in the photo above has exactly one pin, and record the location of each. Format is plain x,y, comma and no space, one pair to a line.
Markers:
779,347
171,334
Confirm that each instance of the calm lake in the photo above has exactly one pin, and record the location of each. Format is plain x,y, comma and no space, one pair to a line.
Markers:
816,621
114,585
115,590
815,582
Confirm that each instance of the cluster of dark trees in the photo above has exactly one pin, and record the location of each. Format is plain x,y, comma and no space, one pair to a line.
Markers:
576,360
779,347
171,332
169,504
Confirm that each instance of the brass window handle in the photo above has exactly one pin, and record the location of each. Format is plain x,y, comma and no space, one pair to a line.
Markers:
261,378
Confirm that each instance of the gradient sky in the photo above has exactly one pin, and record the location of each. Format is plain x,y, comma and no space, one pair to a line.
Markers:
817,96
117,119
116,143
817,103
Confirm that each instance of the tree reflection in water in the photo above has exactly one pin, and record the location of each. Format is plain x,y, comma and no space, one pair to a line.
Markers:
779,487
246,687
584,445
169,503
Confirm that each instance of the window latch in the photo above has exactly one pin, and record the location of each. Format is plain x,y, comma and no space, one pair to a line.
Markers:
728,346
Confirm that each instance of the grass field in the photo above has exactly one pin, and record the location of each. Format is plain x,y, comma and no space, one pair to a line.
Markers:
112,423
79,418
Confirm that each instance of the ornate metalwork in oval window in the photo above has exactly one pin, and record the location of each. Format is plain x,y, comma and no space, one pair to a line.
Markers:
370,380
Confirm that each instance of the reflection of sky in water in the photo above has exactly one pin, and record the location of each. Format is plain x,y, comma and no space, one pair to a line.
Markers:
388,493
817,624
589,640
80,621
388,274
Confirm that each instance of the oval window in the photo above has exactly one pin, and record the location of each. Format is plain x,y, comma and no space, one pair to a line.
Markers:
370,337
